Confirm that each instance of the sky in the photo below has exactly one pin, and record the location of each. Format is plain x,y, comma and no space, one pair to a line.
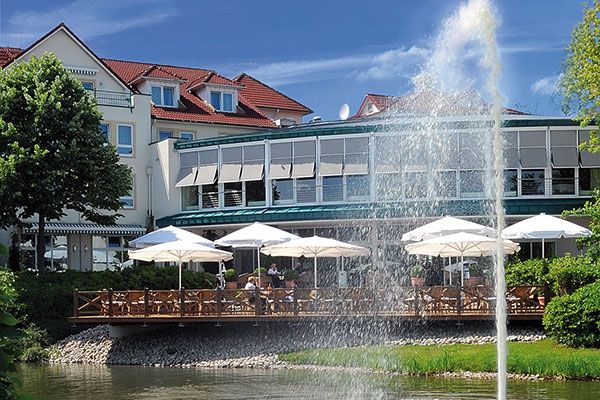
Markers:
323,53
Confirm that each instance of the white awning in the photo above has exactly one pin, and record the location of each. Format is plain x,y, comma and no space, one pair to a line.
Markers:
304,170
86,228
186,177
279,170
230,173
252,172
206,175
356,164
331,165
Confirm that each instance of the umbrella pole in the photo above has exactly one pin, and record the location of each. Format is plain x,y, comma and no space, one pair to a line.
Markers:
180,273
315,264
450,271
543,255
462,269
258,267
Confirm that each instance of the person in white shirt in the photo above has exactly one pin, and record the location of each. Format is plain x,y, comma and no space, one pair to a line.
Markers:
274,274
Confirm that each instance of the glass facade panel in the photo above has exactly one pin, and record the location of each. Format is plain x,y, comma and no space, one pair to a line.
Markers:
210,196
190,198
125,140
563,181
156,95
388,159
232,194
168,96
105,130
215,100
306,190
255,193
163,135
510,182
227,102
415,185
532,182
186,136
471,184
445,184
333,188
589,179
357,187
389,187
283,191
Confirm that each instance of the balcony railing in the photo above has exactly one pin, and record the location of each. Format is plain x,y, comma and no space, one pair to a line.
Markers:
113,99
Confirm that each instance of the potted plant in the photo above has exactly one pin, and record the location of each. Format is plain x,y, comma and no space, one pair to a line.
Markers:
416,276
290,275
231,278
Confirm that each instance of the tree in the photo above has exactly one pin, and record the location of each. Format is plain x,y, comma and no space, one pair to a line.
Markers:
590,209
580,81
53,156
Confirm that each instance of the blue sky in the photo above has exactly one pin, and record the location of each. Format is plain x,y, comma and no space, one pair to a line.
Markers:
321,52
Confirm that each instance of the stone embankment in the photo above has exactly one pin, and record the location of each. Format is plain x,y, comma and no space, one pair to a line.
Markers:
247,346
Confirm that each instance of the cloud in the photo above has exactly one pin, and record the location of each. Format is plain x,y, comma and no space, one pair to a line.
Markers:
546,86
533,47
88,19
377,66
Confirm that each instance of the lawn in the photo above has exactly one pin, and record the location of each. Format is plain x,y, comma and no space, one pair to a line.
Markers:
545,358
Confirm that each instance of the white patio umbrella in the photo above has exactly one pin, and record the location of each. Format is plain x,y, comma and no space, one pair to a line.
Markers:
446,226
180,251
315,247
256,236
168,234
544,227
460,244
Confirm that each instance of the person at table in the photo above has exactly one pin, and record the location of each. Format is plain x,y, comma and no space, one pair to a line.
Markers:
251,285
274,274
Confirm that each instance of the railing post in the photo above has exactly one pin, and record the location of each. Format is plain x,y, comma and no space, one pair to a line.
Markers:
416,307
146,302
257,301
459,301
76,303
296,310
110,303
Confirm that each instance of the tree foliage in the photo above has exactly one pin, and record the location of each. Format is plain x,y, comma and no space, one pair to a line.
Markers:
580,81
590,209
53,156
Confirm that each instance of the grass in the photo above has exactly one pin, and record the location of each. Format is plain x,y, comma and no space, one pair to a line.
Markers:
544,358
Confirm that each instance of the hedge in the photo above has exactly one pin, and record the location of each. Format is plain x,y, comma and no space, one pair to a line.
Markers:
574,319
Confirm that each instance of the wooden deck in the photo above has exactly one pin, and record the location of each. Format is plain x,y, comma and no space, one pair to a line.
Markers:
214,305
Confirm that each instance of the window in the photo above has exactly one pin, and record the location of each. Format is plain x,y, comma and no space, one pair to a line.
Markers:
387,158
389,186
222,101
255,193
589,179
357,187
532,182
88,85
163,96
563,181
471,184
304,159
162,135
563,149
186,136
128,201
281,161
254,163
125,140
533,149
210,195
471,151
231,164
533,250
189,198
105,129
510,183
333,188
109,252
332,157
415,185
445,184
232,193
306,190
356,156
283,191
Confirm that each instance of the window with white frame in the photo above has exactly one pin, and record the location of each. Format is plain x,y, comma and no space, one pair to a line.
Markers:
532,182
471,184
88,85
415,185
283,191
281,161
255,193
163,134
186,136
109,252
232,194
125,140
445,184
333,188
163,96
589,179
356,156
210,195
221,101
510,182
563,181
105,130
128,200
532,149
357,187
189,198
304,159
306,190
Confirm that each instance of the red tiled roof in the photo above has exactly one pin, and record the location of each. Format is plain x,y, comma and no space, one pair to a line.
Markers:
8,54
157,72
192,108
420,103
262,95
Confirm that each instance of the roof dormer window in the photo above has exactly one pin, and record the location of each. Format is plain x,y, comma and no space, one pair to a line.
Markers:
221,101
163,96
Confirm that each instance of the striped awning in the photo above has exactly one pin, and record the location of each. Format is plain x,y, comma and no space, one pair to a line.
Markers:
81,70
65,228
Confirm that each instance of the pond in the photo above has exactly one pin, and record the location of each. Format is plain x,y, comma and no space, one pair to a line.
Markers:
66,382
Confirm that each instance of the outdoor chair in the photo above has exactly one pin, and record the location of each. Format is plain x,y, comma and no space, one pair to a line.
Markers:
451,297
522,298
432,298
207,299
282,302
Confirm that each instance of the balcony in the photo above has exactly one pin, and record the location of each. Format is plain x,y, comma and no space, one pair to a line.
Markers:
113,99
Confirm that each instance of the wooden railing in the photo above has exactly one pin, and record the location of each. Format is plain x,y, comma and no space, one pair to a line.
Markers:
434,301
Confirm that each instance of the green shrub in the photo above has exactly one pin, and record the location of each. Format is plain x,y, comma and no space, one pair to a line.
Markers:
417,271
231,275
529,272
291,275
574,319
568,273
260,270
32,346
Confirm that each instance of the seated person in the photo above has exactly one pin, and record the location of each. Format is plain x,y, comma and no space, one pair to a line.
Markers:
274,274
251,285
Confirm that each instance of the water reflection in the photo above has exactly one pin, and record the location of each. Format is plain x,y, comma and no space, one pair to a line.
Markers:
66,382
